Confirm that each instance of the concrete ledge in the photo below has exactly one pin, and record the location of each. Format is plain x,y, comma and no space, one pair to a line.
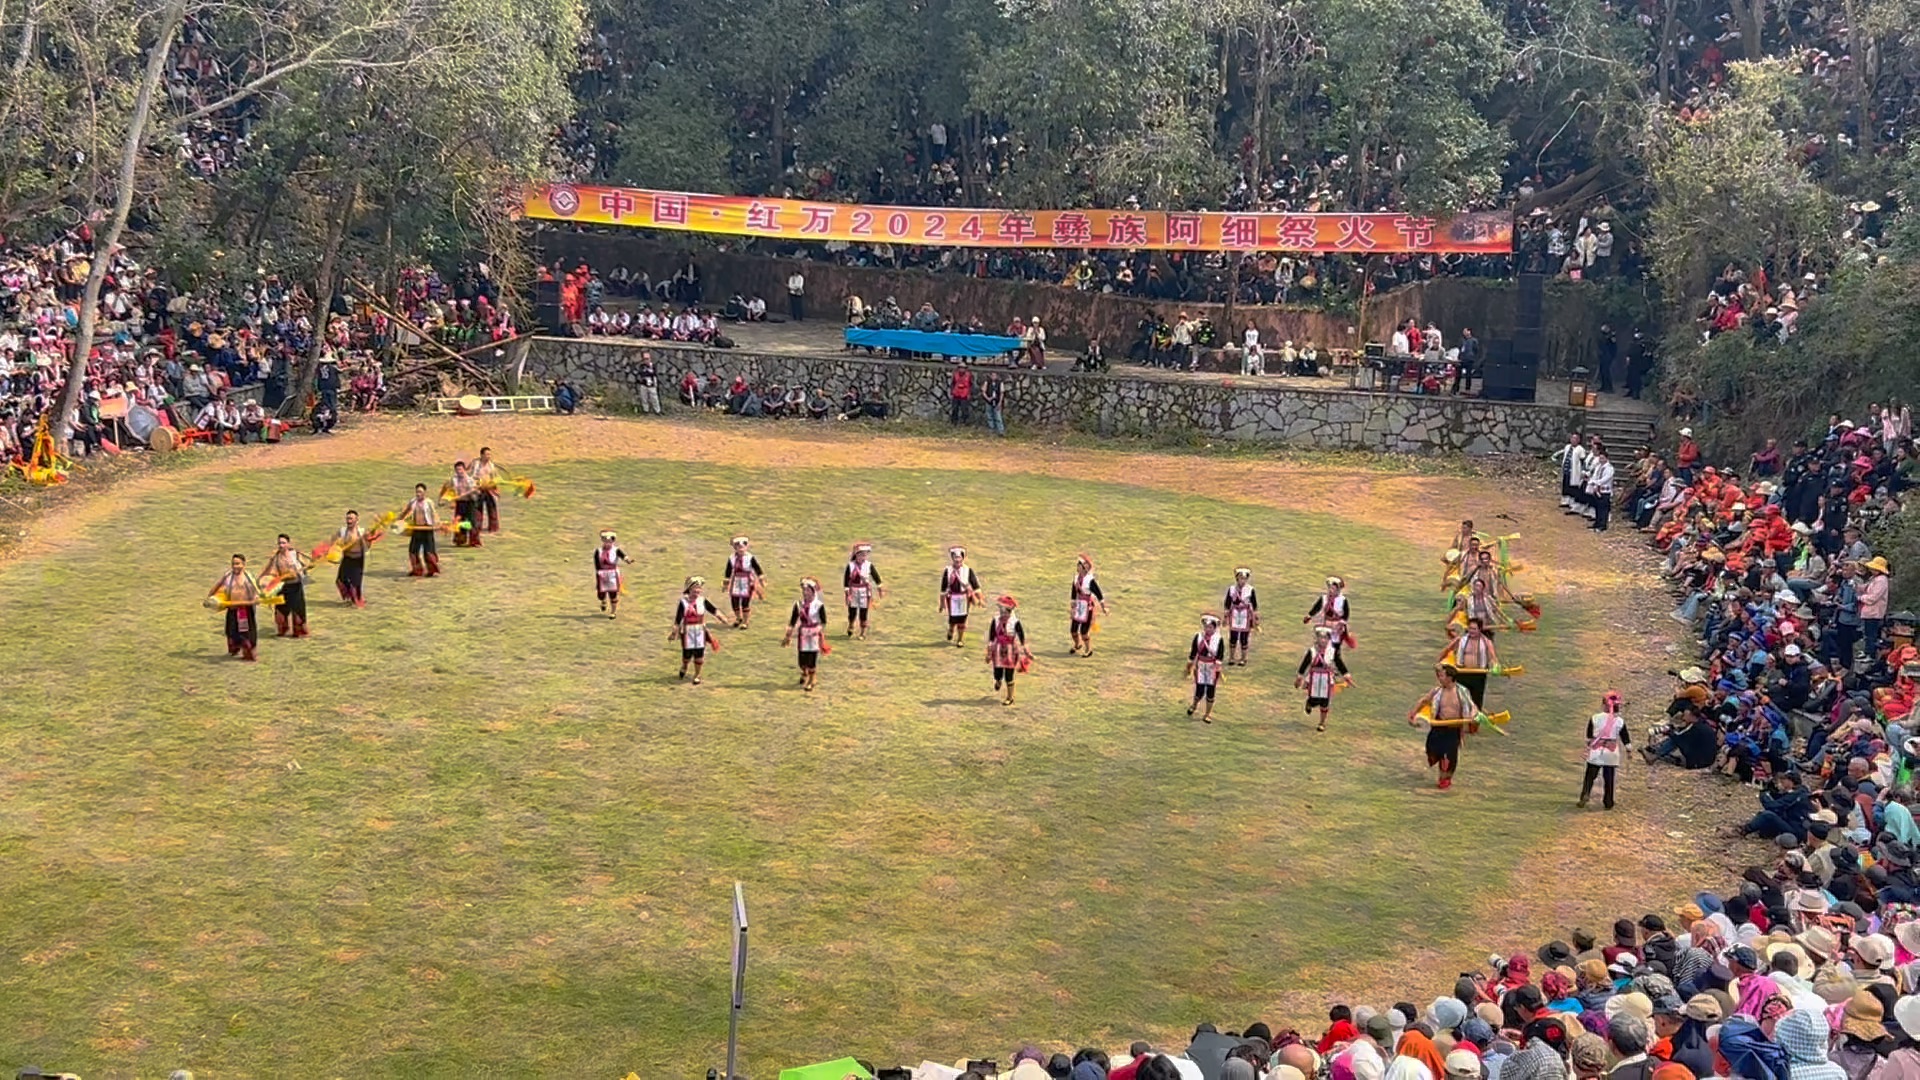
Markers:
1328,419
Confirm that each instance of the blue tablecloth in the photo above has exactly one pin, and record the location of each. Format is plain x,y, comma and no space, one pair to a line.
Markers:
938,344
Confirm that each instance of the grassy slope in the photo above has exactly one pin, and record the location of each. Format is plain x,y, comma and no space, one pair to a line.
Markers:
476,826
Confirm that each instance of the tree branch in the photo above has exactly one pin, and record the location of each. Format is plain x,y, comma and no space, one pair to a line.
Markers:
316,57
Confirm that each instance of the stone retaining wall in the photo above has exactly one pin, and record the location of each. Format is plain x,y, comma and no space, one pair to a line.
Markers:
1237,408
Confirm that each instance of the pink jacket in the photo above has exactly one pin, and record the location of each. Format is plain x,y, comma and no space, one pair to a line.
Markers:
1873,598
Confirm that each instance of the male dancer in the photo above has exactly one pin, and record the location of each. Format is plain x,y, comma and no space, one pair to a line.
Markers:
1472,658
1006,646
466,519
1243,616
352,542
1330,609
1607,734
607,577
745,580
288,566
238,592
690,626
486,481
807,626
1476,602
959,591
861,580
1081,600
1320,667
1206,656
422,522
1449,710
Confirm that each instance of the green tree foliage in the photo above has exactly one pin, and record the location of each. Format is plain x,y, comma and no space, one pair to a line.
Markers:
1731,187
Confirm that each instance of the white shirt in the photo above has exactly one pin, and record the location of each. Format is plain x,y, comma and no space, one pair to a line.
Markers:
1252,338
1400,346
1366,1061
796,283
1600,482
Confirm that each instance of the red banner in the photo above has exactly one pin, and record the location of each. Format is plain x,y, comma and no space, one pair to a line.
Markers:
1488,232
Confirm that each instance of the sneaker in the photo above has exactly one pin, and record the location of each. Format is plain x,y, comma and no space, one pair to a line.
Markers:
1446,783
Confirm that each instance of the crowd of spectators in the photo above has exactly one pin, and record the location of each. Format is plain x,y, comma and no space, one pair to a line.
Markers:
759,397
1806,682
1805,970
215,359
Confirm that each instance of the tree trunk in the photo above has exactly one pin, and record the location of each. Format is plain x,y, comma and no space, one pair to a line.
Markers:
325,283
1753,20
108,239
29,29
1263,88
1670,15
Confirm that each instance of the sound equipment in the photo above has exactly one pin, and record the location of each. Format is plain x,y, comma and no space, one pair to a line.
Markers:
1512,370
546,305
1376,350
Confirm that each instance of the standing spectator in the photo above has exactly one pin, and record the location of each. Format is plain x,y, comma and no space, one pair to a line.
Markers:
1600,488
1687,456
1602,251
994,394
328,382
796,295
1466,362
1639,365
962,395
649,378
1873,605
1183,354
1847,624
1036,344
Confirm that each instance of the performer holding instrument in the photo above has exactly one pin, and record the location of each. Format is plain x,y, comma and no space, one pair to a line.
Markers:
288,569
238,592
421,521
466,500
351,542
486,482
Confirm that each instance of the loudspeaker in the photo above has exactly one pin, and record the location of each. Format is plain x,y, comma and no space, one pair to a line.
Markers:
1529,306
546,305
1509,376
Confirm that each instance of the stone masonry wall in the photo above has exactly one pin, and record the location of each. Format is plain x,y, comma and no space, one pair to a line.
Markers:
1236,408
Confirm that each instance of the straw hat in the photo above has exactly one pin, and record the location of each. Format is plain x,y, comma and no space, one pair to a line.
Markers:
1877,564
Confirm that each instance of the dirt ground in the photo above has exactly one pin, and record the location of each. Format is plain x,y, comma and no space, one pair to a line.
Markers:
1648,855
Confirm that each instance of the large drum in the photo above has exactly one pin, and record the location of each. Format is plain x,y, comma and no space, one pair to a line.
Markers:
141,423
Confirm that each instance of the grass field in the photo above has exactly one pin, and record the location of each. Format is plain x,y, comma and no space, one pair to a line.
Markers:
478,827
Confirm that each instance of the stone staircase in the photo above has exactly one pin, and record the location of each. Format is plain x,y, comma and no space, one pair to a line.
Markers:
1621,429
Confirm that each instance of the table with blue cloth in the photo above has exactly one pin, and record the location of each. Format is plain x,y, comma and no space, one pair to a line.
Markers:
933,344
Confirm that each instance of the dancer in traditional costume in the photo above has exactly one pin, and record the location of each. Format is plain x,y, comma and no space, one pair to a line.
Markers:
861,580
1082,599
959,591
288,569
1330,610
1607,735
807,627
466,500
486,482
352,542
690,626
1450,713
1472,657
238,592
1321,668
608,579
1206,657
1243,615
745,581
421,521
1459,561
1007,646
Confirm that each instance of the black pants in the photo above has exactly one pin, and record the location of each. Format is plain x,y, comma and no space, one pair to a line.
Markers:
796,307
1602,510
353,572
420,543
962,410
1586,786
489,502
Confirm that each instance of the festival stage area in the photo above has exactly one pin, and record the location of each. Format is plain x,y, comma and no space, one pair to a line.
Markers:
478,827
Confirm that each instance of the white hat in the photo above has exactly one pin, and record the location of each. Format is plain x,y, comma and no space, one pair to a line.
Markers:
957,551
1241,571
1791,650
740,540
1687,432
1332,581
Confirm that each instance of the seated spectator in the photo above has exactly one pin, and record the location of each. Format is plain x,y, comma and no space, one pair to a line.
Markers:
818,407
253,422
